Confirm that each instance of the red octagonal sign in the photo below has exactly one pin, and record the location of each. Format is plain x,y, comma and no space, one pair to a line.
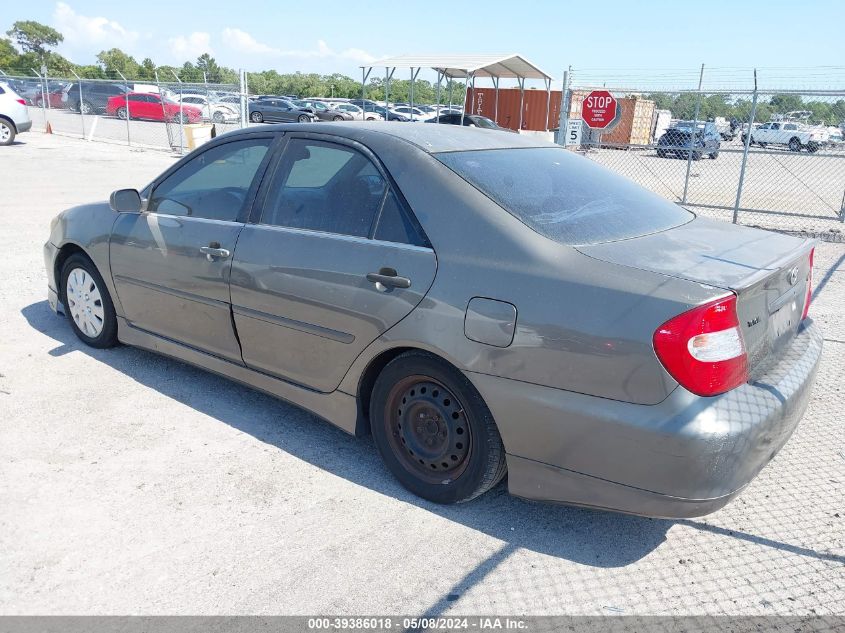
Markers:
599,109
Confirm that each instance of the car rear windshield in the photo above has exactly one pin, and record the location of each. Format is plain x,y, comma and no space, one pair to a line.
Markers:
565,197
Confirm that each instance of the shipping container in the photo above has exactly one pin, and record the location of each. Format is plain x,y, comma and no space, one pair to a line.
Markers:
534,107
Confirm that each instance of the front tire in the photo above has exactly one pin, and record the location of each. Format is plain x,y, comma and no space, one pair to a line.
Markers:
256,117
121,113
7,132
812,147
337,118
88,305
434,431
303,118
794,145
86,108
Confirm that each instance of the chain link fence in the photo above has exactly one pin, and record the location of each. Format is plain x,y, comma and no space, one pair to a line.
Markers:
773,158
162,113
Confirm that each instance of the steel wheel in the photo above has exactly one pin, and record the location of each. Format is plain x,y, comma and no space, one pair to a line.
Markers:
85,302
427,429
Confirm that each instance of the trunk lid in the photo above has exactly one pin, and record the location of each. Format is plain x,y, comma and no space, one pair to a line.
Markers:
767,271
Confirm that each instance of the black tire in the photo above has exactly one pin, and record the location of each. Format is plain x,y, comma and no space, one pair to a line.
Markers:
714,155
107,336
121,113
763,145
7,132
303,118
460,454
256,117
812,147
338,118
218,117
661,153
697,155
794,144
86,107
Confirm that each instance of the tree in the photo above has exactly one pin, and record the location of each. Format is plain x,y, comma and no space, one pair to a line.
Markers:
783,103
114,61
208,65
8,54
34,37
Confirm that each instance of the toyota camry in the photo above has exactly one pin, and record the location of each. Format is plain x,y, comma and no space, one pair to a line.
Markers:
482,303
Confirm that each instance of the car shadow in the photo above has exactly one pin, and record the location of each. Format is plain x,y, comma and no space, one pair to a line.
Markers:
589,537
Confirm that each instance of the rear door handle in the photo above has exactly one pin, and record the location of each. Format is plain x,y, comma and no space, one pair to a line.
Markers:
388,278
213,250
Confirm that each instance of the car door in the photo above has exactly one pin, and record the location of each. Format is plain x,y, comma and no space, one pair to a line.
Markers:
334,260
171,263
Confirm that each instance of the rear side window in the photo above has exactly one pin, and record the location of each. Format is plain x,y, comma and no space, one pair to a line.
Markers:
395,224
324,187
565,197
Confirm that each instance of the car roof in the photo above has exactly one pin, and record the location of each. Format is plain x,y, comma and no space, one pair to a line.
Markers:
431,138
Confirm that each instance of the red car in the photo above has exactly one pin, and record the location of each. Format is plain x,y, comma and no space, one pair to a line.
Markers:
150,106
54,99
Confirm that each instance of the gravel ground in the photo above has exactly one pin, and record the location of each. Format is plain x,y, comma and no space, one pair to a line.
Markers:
131,483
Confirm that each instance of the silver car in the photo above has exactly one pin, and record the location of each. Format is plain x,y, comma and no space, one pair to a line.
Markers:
481,302
14,116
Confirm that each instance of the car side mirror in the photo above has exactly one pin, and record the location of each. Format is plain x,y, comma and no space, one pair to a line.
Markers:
125,201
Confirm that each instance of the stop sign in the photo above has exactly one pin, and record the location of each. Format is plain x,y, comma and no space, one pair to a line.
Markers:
599,109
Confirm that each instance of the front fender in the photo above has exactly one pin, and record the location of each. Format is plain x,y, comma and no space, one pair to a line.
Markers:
88,228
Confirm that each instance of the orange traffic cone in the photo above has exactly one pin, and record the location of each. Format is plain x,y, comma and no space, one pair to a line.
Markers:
49,129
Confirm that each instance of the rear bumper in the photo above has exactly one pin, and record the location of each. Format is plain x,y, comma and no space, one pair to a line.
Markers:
683,457
23,126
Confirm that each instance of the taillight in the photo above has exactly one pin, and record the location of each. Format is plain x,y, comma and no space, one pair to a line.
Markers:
21,101
809,294
703,348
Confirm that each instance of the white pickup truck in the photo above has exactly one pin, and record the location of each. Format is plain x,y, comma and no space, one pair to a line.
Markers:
796,136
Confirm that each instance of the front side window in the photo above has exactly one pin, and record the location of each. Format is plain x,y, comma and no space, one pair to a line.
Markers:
324,187
565,197
213,185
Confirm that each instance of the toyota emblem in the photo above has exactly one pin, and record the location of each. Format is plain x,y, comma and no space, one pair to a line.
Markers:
792,276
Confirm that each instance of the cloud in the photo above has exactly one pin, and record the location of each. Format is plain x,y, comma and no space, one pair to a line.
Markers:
242,42
188,46
83,32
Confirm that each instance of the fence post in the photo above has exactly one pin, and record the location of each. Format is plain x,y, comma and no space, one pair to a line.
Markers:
81,116
207,97
181,116
244,98
126,103
745,150
564,108
43,98
692,135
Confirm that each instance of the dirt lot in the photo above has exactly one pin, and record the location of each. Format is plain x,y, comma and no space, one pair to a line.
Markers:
130,483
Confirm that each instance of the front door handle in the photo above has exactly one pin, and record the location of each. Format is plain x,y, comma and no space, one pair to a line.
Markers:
388,278
213,250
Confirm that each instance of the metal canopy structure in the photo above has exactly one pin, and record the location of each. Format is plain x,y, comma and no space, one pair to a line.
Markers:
469,67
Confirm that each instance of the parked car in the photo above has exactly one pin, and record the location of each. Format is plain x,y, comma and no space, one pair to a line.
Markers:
14,116
322,111
273,110
152,107
94,96
679,140
215,111
414,114
27,89
357,112
470,120
55,95
598,343
384,113
796,136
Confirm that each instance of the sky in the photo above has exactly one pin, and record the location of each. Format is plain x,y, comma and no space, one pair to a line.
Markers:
605,41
